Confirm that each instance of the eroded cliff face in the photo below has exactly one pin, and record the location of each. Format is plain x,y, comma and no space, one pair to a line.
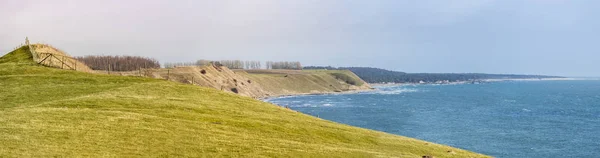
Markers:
216,77
292,82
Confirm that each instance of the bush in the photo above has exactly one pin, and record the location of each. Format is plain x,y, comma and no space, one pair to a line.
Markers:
346,78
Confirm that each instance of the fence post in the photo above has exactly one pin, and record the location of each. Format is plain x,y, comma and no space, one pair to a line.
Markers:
62,66
168,73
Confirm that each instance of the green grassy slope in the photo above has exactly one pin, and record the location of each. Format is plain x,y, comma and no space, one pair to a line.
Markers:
52,112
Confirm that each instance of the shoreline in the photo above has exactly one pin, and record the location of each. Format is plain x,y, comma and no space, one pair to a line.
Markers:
320,93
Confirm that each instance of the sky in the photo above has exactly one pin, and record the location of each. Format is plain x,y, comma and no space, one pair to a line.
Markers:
550,37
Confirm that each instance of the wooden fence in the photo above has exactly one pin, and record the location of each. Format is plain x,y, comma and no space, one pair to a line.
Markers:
58,61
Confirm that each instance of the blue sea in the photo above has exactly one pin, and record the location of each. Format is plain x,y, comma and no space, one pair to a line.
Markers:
501,119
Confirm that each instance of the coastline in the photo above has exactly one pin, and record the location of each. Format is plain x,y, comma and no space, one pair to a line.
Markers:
319,93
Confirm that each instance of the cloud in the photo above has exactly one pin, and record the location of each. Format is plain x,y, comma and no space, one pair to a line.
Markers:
394,33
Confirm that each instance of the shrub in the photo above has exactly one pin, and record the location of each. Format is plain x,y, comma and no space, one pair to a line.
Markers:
346,78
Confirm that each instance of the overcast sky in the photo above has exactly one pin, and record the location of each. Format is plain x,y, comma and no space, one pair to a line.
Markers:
553,37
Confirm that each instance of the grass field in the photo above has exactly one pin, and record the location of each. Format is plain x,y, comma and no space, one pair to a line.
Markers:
47,112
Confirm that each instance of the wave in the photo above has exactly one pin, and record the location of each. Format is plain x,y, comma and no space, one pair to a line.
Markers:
393,91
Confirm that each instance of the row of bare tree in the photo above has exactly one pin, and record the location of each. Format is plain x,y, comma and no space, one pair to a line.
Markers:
118,63
239,64
130,63
294,65
178,64
231,64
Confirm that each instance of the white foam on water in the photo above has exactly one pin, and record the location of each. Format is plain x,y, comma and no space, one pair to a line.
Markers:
394,91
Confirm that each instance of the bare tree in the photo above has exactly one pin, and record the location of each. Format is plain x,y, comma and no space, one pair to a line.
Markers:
118,63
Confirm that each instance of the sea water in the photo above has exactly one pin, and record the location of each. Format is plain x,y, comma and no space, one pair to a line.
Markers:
501,119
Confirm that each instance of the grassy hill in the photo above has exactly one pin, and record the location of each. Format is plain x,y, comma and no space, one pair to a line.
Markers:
48,112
